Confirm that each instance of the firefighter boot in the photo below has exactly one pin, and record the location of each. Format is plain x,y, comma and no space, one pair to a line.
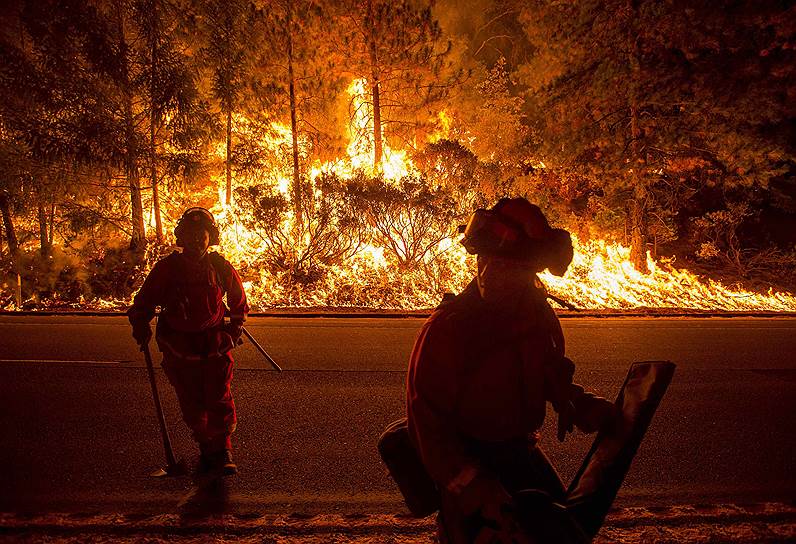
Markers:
226,464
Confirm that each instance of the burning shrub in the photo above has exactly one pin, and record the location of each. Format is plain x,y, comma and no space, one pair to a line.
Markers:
472,182
449,164
331,229
409,218
720,230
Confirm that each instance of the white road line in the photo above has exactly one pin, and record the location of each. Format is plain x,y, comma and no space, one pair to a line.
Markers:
62,361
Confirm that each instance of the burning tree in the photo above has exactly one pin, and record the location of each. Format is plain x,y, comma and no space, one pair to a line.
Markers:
177,117
398,48
298,82
229,31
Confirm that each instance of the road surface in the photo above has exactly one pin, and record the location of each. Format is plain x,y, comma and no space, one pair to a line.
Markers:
78,431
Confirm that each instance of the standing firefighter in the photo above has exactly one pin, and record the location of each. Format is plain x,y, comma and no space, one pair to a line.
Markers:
189,287
482,368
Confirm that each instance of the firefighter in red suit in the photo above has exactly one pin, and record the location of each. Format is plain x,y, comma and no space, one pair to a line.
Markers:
483,367
189,287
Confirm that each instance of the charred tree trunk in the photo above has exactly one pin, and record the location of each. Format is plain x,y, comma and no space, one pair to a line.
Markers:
153,157
228,101
52,224
153,123
638,204
228,159
45,247
8,225
137,236
41,213
638,233
375,89
297,207
377,143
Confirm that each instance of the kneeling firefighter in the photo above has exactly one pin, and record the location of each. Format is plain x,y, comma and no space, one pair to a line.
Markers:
483,367
189,286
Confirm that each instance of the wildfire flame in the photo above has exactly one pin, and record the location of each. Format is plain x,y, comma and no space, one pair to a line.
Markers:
601,275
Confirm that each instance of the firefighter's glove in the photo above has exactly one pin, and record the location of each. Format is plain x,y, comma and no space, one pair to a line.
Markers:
235,330
566,419
558,373
142,333
595,413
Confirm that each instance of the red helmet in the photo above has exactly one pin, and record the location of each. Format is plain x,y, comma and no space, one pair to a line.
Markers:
517,229
197,217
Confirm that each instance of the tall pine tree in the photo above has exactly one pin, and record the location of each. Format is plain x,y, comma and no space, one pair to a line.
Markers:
653,101
398,47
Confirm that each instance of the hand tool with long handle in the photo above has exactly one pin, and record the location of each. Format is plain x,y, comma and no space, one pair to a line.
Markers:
261,350
173,466
596,484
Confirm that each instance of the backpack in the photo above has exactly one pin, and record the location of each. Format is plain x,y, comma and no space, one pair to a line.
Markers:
403,462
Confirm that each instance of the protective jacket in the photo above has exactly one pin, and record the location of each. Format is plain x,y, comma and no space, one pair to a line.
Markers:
476,377
191,296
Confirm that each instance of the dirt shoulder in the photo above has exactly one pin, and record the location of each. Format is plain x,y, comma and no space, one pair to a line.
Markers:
689,524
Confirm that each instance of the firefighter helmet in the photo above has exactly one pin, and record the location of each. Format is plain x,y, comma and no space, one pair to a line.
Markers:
197,217
517,229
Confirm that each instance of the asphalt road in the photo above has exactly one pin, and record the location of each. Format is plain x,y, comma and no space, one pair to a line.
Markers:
78,431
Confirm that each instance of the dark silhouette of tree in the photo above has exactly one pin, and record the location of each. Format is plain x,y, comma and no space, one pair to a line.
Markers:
108,88
645,97
229,38
37,120
176,114
297,68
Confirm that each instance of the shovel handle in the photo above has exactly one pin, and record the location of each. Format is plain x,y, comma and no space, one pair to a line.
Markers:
170,459
257,345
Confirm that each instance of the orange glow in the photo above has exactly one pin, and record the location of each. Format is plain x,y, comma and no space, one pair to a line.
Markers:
600,277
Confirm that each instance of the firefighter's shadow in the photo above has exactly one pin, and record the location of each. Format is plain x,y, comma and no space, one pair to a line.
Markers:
208,498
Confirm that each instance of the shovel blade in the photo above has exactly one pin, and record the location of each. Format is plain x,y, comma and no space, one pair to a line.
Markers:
180,468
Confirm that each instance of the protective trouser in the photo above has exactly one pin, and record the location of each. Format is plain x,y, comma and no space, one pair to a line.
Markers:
204,392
